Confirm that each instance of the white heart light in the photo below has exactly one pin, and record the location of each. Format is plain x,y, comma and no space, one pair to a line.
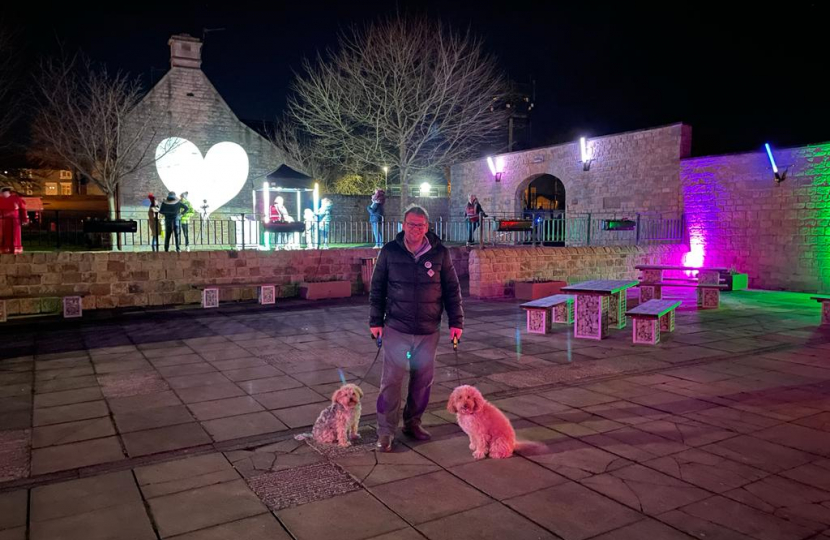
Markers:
217,178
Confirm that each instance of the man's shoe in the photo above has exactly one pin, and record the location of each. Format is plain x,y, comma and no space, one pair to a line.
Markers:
384,443
417,432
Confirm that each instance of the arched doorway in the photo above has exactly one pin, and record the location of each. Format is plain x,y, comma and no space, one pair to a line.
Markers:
544,196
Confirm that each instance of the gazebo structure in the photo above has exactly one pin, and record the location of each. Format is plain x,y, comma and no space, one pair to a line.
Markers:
285,180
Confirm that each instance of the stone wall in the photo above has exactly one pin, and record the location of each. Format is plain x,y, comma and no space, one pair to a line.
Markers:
738,216
111,280
630,172
493,272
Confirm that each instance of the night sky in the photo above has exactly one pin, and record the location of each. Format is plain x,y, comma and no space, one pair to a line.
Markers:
740,75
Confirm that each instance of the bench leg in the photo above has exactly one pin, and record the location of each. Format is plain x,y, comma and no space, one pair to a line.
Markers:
646,330
667,322
616,310
825,312
538,321
564,313
3,313
72,307
267,294
591,320
708,298
210,298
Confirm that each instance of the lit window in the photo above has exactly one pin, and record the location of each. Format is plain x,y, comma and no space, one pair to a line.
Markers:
66,188
51,188
66,175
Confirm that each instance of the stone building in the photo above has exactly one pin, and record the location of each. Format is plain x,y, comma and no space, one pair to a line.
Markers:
199,144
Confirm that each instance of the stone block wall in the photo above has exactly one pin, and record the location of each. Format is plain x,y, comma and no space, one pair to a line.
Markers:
778,233
630,172
353,207
493,272
114,280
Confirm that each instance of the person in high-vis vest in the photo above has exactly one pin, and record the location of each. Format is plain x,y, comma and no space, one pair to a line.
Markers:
472,213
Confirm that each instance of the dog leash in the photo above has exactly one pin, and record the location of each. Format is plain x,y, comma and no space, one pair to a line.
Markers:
457,370
377,355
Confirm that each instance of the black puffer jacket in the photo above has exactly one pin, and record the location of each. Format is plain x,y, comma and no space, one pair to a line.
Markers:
406,297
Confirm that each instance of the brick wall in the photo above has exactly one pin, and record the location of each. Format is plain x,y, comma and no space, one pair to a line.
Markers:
631,172
127,279
493,272
739,217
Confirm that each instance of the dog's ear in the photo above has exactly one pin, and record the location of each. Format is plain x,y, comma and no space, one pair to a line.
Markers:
451,403
478,401
337,396
359,391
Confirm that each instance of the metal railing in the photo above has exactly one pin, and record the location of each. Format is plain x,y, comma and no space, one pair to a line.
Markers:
63,230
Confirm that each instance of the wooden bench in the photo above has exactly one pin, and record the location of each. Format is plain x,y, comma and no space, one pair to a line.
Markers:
651,318
266,292
541,313
825,308
73,306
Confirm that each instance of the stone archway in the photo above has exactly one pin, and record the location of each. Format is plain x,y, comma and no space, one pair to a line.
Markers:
541,195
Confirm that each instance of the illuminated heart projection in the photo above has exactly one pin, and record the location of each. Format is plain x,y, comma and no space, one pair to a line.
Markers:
217,177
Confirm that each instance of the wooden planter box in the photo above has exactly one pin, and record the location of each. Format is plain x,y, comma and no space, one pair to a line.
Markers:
325,289
534,290
737,282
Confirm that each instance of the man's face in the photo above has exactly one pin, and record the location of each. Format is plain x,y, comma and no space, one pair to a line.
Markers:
414,229
6,194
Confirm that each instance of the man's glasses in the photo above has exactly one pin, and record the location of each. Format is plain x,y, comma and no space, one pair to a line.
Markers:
416,225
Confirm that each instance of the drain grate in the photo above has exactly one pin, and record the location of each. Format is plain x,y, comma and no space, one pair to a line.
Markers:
14,454
293,487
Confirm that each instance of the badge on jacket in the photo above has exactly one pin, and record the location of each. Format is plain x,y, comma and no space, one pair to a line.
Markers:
427,264
431,273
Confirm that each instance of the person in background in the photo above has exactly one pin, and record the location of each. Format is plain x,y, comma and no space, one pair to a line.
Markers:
153,222
188,213
375,210
172,209
12,216
473,213
310,224
279,214
323,221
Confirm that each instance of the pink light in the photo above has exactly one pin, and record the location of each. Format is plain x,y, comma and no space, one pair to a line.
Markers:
696,257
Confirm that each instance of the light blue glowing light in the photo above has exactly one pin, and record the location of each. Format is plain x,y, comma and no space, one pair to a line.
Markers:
771,159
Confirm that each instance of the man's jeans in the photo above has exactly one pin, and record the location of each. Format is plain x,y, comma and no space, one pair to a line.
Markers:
172,227
421,367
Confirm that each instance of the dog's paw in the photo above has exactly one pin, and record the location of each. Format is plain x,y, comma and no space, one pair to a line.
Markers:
472,447
355,436
478,454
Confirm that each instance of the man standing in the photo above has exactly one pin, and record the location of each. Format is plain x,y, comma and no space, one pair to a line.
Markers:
172,209
414,281
189,212
12,215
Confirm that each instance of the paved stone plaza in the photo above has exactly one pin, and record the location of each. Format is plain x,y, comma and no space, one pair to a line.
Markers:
181,423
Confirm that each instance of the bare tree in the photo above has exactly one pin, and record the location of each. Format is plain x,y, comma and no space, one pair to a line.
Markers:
303,153
410,94
85,120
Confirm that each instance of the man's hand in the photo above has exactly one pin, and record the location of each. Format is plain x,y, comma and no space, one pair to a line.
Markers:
455,333
377,331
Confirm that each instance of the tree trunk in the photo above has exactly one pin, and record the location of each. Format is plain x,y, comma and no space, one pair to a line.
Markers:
115,240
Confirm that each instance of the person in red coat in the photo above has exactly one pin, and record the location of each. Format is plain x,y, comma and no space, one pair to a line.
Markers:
12,215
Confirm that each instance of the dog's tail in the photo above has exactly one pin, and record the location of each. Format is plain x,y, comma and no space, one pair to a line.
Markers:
302,436
530,448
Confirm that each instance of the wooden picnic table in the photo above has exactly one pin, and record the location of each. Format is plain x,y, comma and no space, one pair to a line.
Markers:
599,303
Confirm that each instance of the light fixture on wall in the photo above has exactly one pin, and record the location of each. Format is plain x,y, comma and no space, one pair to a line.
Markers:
779,176
584,155
496,167
425,189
